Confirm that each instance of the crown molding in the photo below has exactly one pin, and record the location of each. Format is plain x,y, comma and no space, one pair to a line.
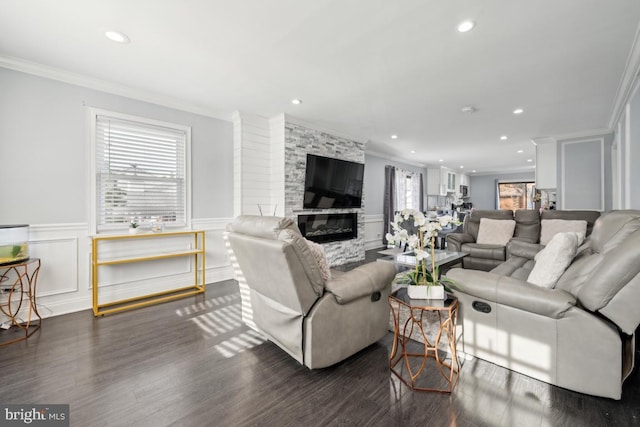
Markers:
519,169
627,83
590,133
40,70
395,159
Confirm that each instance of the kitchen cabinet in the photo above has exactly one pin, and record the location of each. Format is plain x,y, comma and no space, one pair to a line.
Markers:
441,181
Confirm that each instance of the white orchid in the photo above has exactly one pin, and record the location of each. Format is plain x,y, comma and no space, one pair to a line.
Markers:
413,241
423,241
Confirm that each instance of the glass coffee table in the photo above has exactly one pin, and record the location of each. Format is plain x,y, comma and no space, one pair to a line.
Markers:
407,260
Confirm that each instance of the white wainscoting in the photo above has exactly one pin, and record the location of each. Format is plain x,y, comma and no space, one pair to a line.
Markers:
373,228
64,282
219,266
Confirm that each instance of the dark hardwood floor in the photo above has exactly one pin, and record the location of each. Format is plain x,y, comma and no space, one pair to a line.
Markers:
192,362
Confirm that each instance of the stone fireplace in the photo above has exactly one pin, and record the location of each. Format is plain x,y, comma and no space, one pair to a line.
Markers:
343,247
325,228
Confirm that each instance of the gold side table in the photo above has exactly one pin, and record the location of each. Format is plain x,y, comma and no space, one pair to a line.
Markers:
400,360
18,282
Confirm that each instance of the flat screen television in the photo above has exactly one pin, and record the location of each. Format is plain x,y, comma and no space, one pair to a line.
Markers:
332,183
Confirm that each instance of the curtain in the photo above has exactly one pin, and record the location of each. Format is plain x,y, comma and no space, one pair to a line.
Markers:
421,195
389,200
396,192
401,188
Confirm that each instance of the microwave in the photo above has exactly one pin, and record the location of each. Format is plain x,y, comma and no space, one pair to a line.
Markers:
464,190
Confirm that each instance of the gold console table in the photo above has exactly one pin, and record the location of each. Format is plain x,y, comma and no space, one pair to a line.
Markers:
197,251
20,278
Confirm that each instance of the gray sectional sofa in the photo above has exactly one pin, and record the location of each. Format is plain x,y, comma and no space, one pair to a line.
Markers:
527,229
580,334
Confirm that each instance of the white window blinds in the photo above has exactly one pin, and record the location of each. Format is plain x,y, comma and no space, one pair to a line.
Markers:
140,173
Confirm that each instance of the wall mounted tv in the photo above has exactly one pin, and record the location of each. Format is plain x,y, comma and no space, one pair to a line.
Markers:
332,183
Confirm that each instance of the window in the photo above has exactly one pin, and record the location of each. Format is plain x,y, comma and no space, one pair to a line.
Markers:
516,195
140,171
407,189
409,192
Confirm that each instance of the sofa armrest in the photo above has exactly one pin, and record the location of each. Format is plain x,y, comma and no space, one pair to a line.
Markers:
522,249
511,292
361,281
456,240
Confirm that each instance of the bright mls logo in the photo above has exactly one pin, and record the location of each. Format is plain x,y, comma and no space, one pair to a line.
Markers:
34,415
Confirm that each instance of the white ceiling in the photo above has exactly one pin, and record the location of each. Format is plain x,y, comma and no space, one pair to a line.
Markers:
369,68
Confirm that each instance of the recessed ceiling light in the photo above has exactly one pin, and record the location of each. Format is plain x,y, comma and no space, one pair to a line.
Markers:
394,136
461,167
116,36
473,171
466,26
529,160
518,111
441,160
413,151
503,138
296,101
520,151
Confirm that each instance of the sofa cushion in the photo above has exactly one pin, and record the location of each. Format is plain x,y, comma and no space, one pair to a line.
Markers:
495,231
553,260
471,223
527,225
551,227
517,267
317,251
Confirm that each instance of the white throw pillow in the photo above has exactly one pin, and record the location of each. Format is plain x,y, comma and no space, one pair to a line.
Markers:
551,227
495,231
553,260
321,258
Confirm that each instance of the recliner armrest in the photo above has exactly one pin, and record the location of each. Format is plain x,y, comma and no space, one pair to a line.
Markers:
511,292
456,240
361,281
522,249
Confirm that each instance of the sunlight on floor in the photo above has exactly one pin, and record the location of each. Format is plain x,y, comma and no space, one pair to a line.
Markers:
206,305
239,343
221,321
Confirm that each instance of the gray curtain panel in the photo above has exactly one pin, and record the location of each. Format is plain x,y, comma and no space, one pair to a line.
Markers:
389,199
421,194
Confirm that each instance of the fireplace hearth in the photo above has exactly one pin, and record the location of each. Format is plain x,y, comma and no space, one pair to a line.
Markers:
324,228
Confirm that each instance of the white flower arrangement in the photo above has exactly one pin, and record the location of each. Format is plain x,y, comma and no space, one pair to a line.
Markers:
422,242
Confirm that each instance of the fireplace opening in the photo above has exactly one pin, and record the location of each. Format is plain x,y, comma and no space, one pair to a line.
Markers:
324,228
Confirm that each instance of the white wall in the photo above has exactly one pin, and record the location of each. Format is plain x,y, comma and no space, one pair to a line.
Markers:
483,193
44,149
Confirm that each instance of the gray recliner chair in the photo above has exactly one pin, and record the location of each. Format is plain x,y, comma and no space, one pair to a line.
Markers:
579,335
318,322
481,256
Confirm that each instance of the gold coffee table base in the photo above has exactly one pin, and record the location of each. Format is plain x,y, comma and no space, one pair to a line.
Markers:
401,358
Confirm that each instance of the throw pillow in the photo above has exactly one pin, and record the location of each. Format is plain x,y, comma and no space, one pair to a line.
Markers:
495,231
553,260
551,227
317,251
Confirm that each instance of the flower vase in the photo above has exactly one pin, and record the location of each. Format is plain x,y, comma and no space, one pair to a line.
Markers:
426,292
134,230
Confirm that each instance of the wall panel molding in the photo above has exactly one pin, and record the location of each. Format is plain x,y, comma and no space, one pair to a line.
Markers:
596,200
